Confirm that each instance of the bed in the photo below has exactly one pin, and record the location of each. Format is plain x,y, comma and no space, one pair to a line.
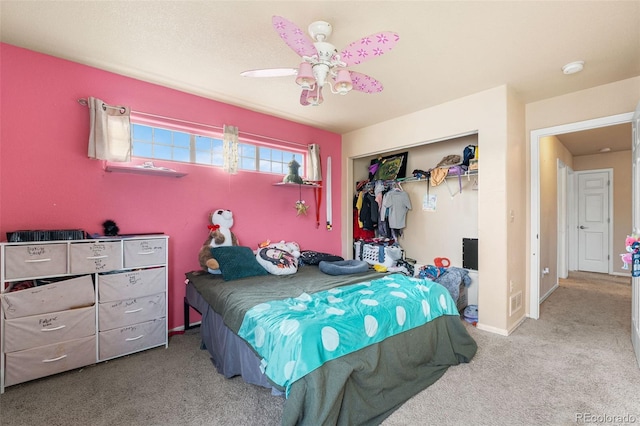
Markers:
361,386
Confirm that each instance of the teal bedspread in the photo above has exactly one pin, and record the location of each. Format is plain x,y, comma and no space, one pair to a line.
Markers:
296,335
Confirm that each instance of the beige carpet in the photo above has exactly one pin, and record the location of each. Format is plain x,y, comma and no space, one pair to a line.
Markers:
576,360
574,363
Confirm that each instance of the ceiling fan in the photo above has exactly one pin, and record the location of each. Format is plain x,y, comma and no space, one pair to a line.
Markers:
322,64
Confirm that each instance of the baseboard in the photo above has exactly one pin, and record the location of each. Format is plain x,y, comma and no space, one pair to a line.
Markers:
547,294
181,328
491,329
517,324
621,274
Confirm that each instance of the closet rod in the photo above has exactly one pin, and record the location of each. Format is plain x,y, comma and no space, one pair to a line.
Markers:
84,102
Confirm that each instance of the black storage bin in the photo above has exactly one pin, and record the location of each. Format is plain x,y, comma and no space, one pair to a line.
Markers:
45,235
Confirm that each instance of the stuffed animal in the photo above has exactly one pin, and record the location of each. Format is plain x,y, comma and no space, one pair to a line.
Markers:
632,245
279,258
220,234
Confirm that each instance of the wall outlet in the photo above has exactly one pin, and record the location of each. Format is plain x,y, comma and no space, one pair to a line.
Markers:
511,286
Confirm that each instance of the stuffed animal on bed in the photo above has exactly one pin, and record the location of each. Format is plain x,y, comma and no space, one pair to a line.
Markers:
220,234
279,258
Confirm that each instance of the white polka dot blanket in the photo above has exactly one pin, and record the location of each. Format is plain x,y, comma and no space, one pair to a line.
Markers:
295,336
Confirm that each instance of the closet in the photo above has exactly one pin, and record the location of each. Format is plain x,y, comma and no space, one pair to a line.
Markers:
441,216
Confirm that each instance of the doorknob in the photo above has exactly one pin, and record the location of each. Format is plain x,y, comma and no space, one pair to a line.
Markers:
582,227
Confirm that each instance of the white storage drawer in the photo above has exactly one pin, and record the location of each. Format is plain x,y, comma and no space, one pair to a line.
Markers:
131,311
65,304
132,338
127,285
43,361
95,257
58,296
147,252
39,330
37,260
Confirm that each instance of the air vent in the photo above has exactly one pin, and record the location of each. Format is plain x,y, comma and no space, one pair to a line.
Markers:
515,303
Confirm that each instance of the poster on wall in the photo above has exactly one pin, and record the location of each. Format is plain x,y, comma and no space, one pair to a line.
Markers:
429,202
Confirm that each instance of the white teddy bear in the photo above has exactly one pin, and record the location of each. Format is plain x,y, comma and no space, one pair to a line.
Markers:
220,234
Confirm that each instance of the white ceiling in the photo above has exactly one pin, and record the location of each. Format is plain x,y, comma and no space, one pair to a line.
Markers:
447,49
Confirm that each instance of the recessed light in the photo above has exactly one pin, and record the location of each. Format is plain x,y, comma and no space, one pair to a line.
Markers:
573,67
605,149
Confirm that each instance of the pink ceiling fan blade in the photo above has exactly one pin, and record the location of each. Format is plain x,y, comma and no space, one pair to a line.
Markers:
364,83
293,36
369,47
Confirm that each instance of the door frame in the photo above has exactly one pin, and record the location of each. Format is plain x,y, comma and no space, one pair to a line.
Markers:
635,224
563,220
534,234
576,203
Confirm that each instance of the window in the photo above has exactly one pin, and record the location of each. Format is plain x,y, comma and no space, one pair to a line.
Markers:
173,145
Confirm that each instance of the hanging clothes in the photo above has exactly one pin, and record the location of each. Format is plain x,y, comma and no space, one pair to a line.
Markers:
358,232
379,190
357,204
398,203
369,211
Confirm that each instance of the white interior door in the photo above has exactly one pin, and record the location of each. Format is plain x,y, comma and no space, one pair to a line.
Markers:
635,281
593,221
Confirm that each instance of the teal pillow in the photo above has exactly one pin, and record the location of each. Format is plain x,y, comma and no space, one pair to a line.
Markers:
237,262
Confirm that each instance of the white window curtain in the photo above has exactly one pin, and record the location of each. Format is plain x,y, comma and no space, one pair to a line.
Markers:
230,149
110,132
314,171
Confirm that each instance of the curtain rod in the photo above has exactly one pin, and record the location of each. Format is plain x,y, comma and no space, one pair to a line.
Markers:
84,102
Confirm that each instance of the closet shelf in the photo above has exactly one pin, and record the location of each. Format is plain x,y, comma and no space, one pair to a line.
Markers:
466,174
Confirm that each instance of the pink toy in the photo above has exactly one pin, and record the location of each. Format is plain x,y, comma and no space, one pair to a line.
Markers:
632,245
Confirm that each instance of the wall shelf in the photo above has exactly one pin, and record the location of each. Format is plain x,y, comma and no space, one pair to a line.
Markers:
154,171
302,185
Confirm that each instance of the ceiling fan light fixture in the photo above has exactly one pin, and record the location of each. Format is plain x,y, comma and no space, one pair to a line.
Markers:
343,83
323,63
573,67
314,97
305,78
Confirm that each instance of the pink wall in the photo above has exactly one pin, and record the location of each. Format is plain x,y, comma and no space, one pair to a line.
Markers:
47,181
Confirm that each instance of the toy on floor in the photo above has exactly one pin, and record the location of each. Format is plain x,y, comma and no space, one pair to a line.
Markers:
442,262
220,234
